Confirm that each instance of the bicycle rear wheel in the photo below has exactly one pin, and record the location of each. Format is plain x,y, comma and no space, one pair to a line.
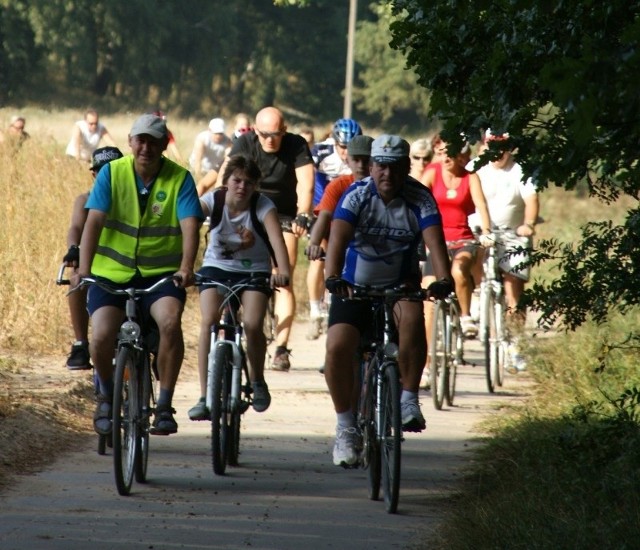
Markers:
220,381
370,443
144,422
439,355
125,409
456,340
390,435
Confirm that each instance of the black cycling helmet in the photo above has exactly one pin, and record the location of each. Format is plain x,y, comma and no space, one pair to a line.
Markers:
345,129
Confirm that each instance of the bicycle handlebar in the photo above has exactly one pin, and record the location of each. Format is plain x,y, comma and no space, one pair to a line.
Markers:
108,287
401,292
233,286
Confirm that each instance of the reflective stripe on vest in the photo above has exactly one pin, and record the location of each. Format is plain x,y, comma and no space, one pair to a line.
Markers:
151,243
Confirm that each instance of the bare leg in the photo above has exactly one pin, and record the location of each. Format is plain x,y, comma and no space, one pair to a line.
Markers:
342,345
79,314
167,313
254,308
106,322
285,306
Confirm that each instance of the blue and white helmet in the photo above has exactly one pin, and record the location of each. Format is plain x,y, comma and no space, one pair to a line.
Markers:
344,130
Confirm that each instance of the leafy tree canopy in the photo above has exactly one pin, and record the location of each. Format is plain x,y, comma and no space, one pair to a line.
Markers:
562,78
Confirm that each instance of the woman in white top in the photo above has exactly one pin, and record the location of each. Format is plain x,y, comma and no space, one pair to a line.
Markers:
86,137
236,250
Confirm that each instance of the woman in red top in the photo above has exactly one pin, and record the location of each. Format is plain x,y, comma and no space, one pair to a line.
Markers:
458,194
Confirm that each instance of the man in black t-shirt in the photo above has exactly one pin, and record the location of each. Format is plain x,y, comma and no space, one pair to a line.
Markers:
287,179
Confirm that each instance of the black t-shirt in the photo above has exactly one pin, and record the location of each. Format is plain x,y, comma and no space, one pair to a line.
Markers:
278,169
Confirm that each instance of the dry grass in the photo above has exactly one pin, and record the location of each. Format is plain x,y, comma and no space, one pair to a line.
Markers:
38,184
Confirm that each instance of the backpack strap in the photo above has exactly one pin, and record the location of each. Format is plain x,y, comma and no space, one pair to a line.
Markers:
259,227
219,197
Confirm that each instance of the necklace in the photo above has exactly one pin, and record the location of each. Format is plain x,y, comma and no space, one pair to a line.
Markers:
452,185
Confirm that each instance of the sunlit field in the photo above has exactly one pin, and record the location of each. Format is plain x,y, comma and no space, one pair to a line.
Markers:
38,184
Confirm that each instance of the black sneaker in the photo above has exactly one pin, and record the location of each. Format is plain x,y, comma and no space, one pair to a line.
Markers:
281,359
261,396
164,423
79,358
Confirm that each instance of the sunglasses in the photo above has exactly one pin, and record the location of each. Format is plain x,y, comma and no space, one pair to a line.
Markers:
272,135
417,157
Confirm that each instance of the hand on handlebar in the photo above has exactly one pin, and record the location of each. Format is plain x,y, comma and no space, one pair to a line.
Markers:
339,287
72,257
279,280
439,290
487,240
184,278
300,224
314,252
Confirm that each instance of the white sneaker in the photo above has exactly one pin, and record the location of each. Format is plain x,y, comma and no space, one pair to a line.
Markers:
344,451
425,380
315,328
518,362
412,419
469,328
475,306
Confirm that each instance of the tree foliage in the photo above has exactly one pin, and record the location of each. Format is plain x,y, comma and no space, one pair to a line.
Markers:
562,79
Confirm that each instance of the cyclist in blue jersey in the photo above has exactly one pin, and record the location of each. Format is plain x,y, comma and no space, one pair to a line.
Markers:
330,158
374,240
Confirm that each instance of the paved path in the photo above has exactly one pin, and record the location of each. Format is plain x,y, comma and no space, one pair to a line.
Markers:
285,495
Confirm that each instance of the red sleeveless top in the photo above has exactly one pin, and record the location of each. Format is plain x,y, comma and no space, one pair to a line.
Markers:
455,206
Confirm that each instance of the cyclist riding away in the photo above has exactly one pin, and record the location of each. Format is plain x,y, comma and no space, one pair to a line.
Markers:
135,247
374,241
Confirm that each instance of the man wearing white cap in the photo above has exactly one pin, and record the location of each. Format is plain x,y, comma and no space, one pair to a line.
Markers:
209,151
143,224
374,239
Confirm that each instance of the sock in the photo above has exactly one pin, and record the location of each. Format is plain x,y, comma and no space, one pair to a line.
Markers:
314,309
106,386
165,397
408,396
346,420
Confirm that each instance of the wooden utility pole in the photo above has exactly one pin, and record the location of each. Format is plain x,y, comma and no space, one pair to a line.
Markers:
351,39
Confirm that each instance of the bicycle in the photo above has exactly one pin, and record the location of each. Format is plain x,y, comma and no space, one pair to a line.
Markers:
494,333
133,379
446,351
378,412
229,390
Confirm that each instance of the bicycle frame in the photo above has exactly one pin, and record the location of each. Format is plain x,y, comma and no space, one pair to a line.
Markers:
133,399
227,396
379,417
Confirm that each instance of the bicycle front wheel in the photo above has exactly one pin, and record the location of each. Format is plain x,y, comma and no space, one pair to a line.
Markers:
456,342
146,390
390,433
439,355
490,341
125,409
220,380
501,341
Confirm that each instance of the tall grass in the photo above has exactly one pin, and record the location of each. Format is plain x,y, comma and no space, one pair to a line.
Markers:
562,470
38,184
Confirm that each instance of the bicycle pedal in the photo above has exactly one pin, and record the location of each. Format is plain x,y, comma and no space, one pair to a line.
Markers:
244,406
